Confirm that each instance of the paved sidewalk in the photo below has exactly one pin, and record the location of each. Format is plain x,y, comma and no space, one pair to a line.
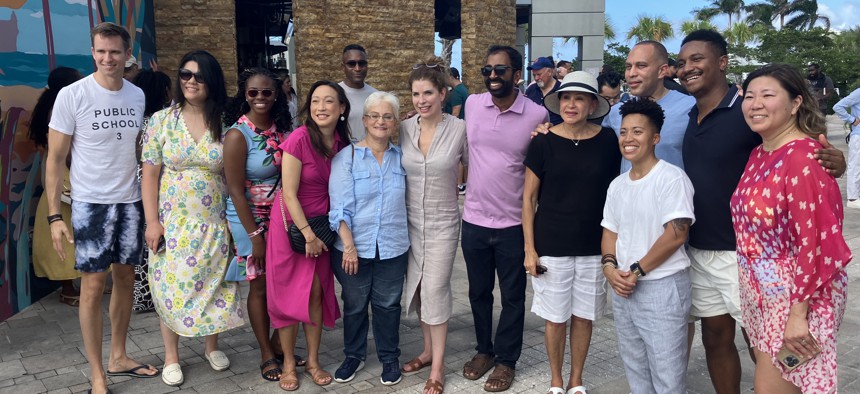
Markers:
41,349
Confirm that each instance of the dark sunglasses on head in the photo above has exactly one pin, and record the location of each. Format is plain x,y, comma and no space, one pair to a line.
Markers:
186,75
500,70
265,92
353,63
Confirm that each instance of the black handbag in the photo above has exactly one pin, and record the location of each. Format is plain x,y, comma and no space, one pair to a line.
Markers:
318,224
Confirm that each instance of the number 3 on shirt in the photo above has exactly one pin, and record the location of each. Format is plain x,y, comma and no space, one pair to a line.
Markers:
119,136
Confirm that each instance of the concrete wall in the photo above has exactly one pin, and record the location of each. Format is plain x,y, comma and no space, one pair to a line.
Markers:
567,18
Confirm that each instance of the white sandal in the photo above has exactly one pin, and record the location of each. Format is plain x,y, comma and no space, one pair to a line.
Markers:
574,390
171,375
555,390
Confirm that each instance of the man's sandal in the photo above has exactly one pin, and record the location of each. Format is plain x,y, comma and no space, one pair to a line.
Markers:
500,380
478,366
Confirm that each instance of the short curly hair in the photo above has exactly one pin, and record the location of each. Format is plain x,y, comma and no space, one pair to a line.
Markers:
646,107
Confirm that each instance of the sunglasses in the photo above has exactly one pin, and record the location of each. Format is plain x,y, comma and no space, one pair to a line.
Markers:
186,75
419,65
265,92
353,63
500,70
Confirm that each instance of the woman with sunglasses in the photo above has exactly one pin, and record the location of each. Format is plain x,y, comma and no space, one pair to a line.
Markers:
252,161
300,286
184,200
433,144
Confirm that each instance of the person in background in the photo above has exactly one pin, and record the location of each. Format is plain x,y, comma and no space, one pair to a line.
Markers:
543,71
46,262
563,67
848,109
455,105
292,99
368,210
355,65
434,145
567,173
184,197
791,252
131,68
669,80
821,85
156,89
252,162
300,286
610,87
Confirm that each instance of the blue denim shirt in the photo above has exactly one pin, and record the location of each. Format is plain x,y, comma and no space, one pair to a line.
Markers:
371,200
852,102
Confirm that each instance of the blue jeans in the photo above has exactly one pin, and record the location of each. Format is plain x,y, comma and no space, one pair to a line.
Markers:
490,251
652,333
380,284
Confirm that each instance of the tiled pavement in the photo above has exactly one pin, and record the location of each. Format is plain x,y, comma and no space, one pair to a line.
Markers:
41,349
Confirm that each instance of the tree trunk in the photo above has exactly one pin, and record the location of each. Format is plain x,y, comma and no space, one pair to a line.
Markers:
447,49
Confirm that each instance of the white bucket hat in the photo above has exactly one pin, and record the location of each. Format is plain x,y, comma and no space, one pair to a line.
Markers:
578,81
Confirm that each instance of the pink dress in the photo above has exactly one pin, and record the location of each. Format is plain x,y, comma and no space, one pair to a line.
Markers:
289,275
787,214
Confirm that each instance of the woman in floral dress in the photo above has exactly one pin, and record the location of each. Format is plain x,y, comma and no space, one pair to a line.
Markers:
251,164
787,214
184,196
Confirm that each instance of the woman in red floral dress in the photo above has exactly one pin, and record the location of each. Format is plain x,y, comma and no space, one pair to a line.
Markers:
787,214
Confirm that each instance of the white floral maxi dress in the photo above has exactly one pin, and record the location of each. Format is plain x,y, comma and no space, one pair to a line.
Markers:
187,278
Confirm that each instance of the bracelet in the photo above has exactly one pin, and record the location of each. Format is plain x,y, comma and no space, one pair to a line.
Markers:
256,232
311,241
615,266
609,259
54,218
306,226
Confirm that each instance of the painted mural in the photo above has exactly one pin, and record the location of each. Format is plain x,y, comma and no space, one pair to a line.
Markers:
37,36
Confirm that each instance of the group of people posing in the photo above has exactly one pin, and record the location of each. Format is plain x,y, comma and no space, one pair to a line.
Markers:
578,205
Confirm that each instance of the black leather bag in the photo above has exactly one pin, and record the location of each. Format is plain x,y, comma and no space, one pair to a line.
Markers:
318,224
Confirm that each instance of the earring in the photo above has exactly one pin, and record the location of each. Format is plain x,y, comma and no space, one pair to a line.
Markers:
341,118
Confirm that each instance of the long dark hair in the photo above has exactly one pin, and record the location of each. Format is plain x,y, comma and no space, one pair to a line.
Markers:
156,89
213,77
59,78
238,105
342,127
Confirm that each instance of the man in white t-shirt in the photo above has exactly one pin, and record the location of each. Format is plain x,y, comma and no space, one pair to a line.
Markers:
98,119
355,72
646,219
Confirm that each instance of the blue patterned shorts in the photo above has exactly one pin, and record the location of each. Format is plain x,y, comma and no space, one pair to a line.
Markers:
107,234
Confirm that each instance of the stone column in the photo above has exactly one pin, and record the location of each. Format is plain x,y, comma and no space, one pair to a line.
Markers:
484,23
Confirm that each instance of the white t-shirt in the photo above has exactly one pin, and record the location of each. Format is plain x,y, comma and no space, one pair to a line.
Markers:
104,125
356,98
637,210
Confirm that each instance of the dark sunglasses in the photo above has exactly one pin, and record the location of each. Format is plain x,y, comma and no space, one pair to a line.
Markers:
186,75
500,70
353,63
265,92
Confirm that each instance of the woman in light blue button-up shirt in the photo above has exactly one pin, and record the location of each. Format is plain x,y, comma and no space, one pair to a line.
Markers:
368,210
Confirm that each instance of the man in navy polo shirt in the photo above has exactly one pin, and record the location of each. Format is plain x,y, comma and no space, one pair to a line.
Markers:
543,71
716,148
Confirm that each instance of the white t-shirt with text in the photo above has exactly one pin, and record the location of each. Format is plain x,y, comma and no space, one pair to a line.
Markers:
104,125
637,210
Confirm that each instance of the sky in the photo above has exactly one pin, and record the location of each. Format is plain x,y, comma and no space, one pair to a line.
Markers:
843,14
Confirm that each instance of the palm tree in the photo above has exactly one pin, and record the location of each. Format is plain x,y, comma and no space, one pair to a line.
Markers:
650,28
739,34
690,26
808,15
608,29
719,7
766,12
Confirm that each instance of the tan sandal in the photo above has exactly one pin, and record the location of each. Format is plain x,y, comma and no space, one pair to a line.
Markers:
415,365
320,376
289,384
435,385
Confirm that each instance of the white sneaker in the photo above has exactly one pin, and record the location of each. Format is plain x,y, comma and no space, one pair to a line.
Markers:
853,204
172,375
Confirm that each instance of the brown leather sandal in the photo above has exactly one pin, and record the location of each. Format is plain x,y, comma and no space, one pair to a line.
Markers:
478,366
415,365
435,385
500,380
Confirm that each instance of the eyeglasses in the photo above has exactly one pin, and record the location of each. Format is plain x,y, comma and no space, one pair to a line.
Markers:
265,92
500,70
375,117
353,63
186,75
419,65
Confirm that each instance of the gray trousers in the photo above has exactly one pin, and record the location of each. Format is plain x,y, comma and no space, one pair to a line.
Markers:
652,334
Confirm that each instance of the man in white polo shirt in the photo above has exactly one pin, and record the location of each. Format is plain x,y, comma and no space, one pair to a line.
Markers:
98,119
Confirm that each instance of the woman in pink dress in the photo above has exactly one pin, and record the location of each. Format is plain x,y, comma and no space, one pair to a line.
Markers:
787,214
300,287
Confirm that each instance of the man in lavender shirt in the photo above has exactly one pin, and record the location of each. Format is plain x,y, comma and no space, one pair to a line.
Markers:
498,128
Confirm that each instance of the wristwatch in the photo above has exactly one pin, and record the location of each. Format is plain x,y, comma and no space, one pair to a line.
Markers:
637,270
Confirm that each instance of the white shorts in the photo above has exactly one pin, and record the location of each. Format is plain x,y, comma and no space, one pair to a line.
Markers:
572,285
716,288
